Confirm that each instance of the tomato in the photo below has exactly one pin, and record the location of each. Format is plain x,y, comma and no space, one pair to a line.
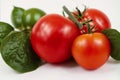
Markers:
99,19
52,38
91,51
31,16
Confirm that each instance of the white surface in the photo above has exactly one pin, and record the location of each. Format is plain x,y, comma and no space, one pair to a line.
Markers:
70,70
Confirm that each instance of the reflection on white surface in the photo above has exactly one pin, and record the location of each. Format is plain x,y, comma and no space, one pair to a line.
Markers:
69,70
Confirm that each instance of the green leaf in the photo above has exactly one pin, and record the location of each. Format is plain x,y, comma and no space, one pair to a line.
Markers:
16,17
114,37
17,52
5,29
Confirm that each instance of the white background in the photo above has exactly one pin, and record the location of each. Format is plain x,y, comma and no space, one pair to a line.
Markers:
70,70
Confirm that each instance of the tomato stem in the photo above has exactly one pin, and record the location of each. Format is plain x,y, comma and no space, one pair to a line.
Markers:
72,17
85,8
63,13
79,13
87,21
89,29
80,25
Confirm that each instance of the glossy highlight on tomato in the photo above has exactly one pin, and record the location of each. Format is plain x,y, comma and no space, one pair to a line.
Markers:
91,51
52,38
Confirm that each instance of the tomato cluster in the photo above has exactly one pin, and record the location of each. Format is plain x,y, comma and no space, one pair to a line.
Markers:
56,38
84,36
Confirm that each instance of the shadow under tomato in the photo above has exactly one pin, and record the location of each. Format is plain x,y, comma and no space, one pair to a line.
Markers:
67,64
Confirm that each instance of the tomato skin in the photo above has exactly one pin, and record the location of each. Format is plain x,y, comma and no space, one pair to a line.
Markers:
52,38
100,20
91,51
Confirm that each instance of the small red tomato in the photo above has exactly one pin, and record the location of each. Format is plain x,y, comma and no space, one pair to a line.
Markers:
99,19
52,38
91,51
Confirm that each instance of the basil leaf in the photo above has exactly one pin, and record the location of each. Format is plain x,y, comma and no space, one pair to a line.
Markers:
114,37
5,29
16,17
17,52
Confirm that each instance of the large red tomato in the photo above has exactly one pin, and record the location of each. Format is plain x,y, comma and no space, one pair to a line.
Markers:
99,19
52,38
91,51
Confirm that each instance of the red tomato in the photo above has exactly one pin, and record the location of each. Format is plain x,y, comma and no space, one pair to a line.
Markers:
91,51
99,19
52,38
